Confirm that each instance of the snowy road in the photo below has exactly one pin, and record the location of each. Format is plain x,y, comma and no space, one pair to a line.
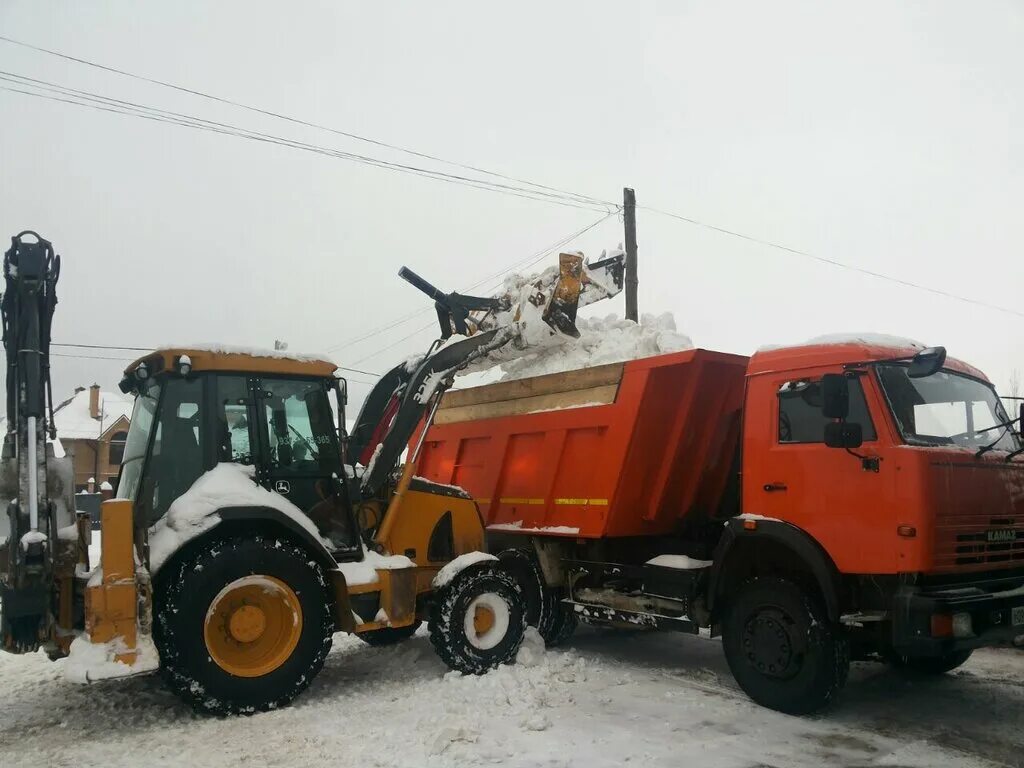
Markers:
650,700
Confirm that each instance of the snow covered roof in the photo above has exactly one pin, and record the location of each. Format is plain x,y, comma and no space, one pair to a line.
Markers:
74,422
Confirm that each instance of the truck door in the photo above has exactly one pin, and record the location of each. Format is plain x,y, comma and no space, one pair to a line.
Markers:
300,458
790,474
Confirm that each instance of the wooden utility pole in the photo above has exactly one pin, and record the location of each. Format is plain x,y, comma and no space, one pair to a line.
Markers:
629,216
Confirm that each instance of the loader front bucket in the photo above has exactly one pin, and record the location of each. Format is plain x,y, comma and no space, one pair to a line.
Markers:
560,312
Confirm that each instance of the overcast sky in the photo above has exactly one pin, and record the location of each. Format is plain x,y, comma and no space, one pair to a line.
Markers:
880,135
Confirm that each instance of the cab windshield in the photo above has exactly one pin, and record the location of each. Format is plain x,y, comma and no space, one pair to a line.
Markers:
946,409
143,418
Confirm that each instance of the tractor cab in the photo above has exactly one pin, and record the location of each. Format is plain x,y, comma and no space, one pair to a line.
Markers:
198,408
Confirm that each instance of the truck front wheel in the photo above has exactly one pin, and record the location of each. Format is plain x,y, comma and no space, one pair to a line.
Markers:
781,647
243,624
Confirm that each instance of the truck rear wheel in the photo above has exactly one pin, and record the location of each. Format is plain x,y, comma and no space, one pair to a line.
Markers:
554,621
781,647
478,619
930,665
243,625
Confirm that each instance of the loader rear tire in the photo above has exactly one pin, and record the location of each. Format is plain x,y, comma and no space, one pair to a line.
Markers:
379,638
478,619
782,649
242,625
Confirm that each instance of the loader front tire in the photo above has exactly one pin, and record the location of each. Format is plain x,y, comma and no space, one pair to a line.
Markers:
782,649
478,619
242,625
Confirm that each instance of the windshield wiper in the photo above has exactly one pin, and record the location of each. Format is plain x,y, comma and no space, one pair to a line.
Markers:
991,446
1006,424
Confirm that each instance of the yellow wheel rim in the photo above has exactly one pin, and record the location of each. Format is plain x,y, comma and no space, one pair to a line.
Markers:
253,626
483,619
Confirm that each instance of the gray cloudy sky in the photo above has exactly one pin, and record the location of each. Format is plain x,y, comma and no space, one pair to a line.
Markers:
880,135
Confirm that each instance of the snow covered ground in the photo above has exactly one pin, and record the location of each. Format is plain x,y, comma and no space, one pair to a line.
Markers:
612,699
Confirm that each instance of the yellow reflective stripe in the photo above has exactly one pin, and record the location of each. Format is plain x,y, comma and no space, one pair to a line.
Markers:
578,502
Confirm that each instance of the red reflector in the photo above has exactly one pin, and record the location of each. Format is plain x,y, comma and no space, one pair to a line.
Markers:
942,625
750,525
907,530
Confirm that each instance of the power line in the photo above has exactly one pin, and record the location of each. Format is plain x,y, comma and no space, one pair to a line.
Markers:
552,194
150,349
93,357
76,97
834,262
102,346
297,121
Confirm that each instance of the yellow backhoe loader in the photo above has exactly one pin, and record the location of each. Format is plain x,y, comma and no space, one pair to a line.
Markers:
248,526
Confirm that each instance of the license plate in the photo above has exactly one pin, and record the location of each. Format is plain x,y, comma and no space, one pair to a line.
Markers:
1017,617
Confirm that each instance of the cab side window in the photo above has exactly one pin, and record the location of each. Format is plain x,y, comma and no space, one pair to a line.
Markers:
800,416
300,427
236,439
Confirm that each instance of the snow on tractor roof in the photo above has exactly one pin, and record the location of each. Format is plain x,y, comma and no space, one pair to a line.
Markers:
216,356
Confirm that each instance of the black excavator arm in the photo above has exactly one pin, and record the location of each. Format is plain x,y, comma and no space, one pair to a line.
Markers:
31,269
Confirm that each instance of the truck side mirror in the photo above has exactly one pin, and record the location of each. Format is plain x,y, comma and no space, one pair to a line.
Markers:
844,434
926,362
835,396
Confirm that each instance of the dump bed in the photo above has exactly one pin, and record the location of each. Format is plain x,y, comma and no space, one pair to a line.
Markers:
628,449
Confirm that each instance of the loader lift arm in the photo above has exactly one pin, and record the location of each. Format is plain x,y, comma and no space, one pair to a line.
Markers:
401,397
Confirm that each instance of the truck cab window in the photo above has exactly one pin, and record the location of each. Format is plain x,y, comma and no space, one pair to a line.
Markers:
800,416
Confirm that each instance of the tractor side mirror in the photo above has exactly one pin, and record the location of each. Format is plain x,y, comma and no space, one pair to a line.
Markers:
835,396
844,434
926,362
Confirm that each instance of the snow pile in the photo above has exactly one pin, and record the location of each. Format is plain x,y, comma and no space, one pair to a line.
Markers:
195,511
217,348
653,699
518,527
88,662
679,562
602,340
365,571
458,565
868,339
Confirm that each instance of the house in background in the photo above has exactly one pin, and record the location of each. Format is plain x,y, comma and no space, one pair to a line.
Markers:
92,426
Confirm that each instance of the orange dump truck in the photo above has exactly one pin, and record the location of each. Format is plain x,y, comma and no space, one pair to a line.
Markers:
812,504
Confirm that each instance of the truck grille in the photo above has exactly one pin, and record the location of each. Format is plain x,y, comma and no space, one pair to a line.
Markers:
1001,541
